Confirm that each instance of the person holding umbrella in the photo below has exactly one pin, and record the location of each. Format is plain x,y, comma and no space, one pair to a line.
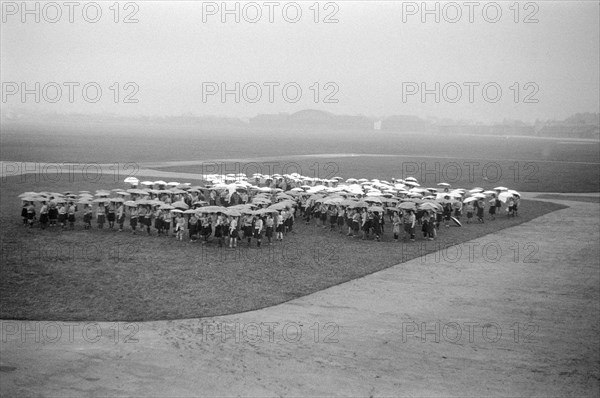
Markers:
269,225
100,215
62,215
44,215
492,209
24,212
120,216
133,218
409,220
52,213
179,226
480,210
148,219
376,223
470,209
111,215
87,216
30,214
396,221
71,215
233,232
166,223
258,229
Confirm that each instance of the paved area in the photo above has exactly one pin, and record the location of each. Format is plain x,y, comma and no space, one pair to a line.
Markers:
510,314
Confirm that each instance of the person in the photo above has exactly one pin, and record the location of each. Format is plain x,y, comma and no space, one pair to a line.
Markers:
258,229
365,224
166,224
470,209
516,202
248,220
279,226
44,215
458,209
30,214
332,214
71,215
269,226
148,219
492,209
356,220
341,218
376,223
62,215
430,231
179,226
396,221
409,222
480,210
233,232
447,214
219,229
24,212
193,227
52,213
120,214
133,218
100,215
87,216
111,215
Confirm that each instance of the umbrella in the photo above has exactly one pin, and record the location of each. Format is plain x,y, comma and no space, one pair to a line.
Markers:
478,196
28,194
456,221
489,192
430,206
100,200
160,182
176,211
407,205
123,193
117,200
443,184
191,211
471,199
476,190
376,208
132,180
233,212
147,183
211,209
130,203
410,179
165,207
180,205
372,199
501,189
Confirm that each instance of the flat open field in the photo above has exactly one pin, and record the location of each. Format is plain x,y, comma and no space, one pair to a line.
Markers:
522,163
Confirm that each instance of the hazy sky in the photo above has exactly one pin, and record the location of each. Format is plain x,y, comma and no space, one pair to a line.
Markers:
373,56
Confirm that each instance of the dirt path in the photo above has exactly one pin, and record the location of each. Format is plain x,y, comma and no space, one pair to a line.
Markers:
369,340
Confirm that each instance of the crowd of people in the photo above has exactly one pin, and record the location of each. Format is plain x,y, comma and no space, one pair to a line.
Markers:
232,208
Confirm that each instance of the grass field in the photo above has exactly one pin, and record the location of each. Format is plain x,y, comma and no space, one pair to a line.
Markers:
106,275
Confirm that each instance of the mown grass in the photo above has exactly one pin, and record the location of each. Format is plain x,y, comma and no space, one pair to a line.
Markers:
105,275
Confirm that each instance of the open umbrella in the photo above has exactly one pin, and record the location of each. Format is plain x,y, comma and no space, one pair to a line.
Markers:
407,206
180,205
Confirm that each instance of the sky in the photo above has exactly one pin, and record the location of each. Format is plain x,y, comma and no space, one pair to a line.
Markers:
168,58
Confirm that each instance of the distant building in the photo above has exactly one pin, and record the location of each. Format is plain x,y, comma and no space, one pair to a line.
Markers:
310,118
405,123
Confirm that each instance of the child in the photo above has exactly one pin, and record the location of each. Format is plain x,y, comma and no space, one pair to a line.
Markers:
179,226
100,215
148,219
24,212
52,213
62,215
30,214
44,215
410,221
492,209
233,232
71,215
269,224
279,227
166,224
470,209
87,217
258,229
111,215
376,223
120,216
396,221
133,219
158,220
480,210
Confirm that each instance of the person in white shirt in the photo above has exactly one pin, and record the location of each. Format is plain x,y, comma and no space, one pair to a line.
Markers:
258,229
233,232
